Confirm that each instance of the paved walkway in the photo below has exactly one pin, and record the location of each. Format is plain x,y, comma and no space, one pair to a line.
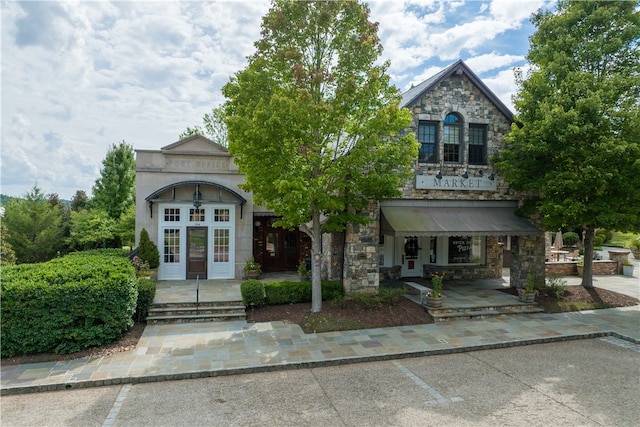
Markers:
181,351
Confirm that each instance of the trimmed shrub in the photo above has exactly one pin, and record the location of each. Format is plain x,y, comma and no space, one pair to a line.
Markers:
253,293
147,250
293,292
598,240
146,293
570,238
66,304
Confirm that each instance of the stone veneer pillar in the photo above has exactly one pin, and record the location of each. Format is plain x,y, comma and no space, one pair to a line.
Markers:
360,269
528,258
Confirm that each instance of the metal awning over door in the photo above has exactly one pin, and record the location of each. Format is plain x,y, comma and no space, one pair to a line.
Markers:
480,219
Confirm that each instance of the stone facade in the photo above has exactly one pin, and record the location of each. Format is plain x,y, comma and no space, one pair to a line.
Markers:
360,269
457,90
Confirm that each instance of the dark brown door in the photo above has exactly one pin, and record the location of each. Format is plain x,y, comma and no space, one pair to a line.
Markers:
196,252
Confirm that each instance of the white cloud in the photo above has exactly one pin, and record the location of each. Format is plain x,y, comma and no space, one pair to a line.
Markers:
80,76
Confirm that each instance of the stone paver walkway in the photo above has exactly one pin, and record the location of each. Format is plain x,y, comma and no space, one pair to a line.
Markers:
181,351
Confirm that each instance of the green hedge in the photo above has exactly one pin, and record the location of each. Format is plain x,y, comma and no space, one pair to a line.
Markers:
146,293
257,293
252,292
66,304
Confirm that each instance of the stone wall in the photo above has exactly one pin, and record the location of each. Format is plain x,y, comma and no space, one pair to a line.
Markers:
569,268
360,270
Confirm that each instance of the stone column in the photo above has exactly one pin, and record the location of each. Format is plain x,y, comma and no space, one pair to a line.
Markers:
619,256
528,258
360,271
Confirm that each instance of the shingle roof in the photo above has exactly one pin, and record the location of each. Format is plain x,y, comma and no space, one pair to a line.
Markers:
458,67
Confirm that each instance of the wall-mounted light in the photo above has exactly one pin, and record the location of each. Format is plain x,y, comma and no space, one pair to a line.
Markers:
197,197
439,175
479,173
465,175
492,177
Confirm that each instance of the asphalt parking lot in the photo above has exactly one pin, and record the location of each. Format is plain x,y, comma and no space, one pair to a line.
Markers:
587,382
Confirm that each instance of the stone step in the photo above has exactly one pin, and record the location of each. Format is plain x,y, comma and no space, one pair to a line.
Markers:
192,318
204,312
440,315
178,311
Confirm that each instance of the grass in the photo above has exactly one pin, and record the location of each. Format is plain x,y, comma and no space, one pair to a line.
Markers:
562,307
318,322
622,240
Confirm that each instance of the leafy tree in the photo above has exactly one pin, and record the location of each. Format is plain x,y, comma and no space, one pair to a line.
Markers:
65,224
92,229
214,127
314,123
577,143
33,227
148,251
114,191
126,226
7,254
79,201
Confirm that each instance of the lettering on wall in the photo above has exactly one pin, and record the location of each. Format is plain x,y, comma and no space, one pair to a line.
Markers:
197,165
477,183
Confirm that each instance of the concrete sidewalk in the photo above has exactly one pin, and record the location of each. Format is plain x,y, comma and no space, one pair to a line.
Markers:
182,351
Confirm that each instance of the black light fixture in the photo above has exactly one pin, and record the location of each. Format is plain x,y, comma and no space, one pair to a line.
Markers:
480,173
492,177
197,197
439,175
465,175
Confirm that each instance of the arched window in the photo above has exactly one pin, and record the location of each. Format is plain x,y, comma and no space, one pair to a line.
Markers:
452,138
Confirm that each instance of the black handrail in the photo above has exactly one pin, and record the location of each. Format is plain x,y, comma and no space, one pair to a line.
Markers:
197,294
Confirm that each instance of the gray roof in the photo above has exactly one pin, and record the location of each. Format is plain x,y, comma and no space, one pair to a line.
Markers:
457,68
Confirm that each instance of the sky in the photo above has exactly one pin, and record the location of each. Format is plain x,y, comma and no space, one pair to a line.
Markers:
80,76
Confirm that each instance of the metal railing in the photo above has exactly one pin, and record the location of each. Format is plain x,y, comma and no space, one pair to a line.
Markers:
197,294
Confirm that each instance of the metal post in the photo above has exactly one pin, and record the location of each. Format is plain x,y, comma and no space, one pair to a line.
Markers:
197,294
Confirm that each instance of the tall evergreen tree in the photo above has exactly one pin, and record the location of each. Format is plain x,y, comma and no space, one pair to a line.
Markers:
33,227
577,142
114,191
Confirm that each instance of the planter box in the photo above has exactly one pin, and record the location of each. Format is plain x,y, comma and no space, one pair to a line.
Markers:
627,270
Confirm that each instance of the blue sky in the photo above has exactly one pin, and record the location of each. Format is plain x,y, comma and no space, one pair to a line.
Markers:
80,76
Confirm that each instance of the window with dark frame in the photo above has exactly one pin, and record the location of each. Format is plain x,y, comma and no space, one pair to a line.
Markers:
452,138
477,144
428,138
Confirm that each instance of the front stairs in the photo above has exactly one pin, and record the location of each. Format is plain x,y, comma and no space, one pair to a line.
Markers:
485,303
185,312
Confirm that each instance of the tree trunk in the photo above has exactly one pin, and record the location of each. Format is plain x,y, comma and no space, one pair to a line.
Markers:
587,272
316,264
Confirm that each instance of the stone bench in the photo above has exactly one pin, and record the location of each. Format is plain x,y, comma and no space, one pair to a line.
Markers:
417,289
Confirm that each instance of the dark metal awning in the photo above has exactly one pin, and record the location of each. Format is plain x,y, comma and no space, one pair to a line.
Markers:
454,221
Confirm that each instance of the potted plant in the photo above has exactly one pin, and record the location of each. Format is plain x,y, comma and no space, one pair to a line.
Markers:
251,268
580,266
627,267
435,296
303,271
528,293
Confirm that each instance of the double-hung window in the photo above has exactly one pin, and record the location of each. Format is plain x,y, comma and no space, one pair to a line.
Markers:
452,138
477,144
428,138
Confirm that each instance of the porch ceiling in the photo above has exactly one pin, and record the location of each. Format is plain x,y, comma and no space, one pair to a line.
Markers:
454,221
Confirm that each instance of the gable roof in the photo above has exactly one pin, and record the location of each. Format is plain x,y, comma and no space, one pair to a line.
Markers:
195,143
457,68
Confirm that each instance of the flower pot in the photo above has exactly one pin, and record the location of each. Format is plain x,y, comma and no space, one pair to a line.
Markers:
252,274
435,302
528,298
627,270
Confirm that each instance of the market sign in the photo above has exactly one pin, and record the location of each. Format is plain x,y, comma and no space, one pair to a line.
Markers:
475,183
